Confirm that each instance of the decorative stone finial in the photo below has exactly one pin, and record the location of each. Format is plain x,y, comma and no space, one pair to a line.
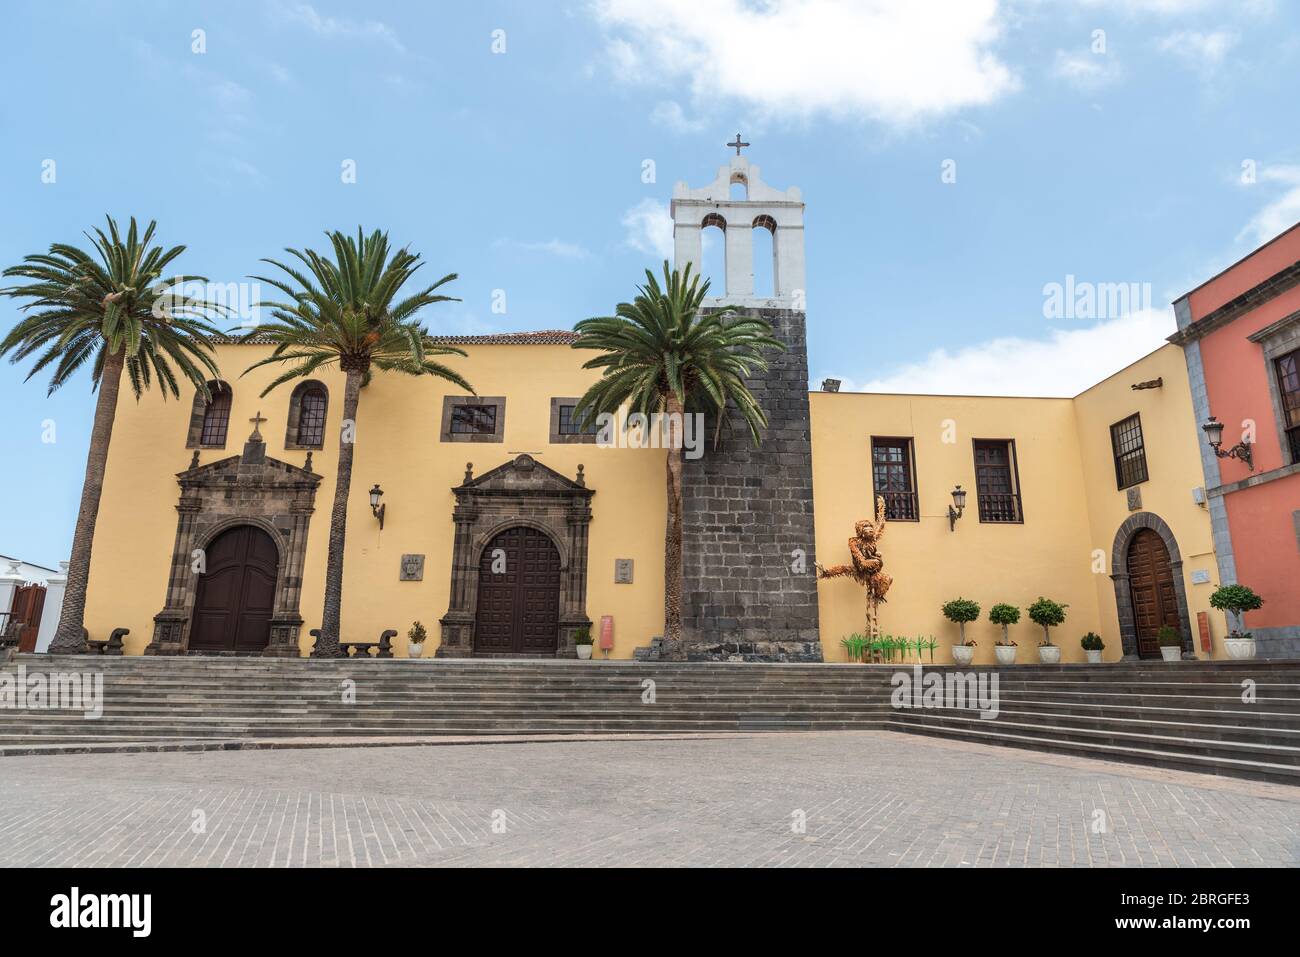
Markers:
194,461
306,466
582,479
469,472
257,421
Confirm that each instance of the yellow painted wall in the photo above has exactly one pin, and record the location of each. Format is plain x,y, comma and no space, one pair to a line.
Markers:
398,446
1064,461
1015,563
1170,434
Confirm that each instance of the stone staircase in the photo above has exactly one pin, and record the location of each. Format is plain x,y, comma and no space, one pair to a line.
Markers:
1186,715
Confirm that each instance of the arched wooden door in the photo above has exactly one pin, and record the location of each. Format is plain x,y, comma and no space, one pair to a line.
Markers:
518,595
236,594
1151,582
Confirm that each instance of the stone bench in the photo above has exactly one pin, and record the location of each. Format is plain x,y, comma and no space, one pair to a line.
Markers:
361,649
111,646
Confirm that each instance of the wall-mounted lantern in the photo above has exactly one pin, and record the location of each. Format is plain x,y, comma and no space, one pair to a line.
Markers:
956,508
376,509
1241,451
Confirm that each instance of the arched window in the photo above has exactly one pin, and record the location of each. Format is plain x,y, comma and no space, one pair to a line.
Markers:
210,418
306,424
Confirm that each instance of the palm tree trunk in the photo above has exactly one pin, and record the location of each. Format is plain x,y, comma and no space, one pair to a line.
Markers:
68,637
327,645
673,540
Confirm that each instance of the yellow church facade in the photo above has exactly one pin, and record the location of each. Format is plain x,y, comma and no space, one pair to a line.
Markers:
1061,543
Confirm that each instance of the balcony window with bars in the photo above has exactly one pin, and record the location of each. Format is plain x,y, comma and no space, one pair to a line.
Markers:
894,478
997,487
1130,452
1288,386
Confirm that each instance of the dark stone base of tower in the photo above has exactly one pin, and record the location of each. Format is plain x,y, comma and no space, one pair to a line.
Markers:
750,590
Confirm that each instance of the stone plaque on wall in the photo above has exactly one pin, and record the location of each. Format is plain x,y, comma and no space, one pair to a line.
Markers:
622,571
1134,498
412,568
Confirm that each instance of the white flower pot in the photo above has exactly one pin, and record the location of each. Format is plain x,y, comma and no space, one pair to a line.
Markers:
584,651
1006,654
1171,654
1049,654
415,651
1239,647
1094,657
963,654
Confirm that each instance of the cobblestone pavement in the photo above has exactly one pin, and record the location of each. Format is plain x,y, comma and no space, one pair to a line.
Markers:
825,799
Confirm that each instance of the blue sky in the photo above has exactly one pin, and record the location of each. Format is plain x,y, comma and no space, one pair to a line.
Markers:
1155,151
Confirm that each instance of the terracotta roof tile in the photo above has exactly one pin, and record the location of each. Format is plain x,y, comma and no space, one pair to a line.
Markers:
545,337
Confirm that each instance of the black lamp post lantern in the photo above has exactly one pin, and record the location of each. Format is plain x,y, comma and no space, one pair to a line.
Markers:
376,509
958,506
1241,451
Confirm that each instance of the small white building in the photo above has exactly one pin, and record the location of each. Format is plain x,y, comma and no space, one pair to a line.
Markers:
15,574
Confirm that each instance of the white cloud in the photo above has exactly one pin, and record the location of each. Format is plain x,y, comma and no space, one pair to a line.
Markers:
1280,214
305,15
552,247
1065,363
650,228
669,113
891,60
1201,50
1086,71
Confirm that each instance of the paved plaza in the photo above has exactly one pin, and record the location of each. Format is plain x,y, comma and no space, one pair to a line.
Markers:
821,799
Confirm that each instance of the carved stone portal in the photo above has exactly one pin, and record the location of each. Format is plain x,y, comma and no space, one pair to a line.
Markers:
248,489
520,493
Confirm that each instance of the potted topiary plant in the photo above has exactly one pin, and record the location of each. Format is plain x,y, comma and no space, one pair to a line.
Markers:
1005,615
962,610
416,638
1235,601
1047,613
582,641
1171,643
1092,647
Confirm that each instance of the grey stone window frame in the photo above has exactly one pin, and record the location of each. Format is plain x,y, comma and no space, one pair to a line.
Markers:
1129,450
199,412
567,438
295,414
451,402
1275,341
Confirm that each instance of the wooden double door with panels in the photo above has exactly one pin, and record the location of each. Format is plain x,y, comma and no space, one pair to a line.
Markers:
518,611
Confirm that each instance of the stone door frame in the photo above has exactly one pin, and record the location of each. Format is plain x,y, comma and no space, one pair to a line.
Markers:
520,493
1119,576
249,489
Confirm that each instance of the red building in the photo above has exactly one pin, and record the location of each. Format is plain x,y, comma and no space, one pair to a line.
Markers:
1240,332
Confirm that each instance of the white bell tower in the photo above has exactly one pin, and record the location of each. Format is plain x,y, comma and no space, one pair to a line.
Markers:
779,211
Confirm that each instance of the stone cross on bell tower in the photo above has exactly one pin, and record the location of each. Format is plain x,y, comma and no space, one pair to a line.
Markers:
763,207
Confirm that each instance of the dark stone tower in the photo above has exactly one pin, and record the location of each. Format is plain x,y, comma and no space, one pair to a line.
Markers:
750,589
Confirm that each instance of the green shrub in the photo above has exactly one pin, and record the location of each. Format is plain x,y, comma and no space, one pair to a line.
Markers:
1091,642
855,646
1236,600
417,634
1047,613
582,636
961,610
1004,614
1169,637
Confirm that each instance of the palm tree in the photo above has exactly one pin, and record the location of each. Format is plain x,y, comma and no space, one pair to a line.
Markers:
344,312
108,307
660,354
